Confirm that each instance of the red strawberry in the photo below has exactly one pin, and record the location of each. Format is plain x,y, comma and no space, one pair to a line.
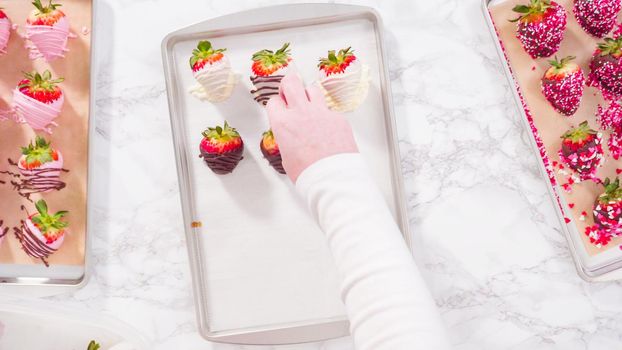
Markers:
606,68
222,148
337,63
582,150
41,87
45,15
37,154
563,84
267,62
541,27
608,208
597,17
2,14
52,226
205,54
270,150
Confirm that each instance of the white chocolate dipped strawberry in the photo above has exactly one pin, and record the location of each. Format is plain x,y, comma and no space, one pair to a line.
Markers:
48,30
5,31
38,100
268,71
344,80
212,70
40,166
42,233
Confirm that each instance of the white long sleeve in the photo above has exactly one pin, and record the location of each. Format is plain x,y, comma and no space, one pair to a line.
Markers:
388,303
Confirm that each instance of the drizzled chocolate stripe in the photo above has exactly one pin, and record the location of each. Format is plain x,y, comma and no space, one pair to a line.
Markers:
29,182
3,231
265,87
31,244
275,160
223,163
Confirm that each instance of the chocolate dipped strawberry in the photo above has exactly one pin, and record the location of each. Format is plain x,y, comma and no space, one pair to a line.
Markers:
540,27
344,80
38,100
222,149
42,233
268,71
608,208
563,85
5,31
597,17
212,70
270,150
47,28
606,68
40,167
582,150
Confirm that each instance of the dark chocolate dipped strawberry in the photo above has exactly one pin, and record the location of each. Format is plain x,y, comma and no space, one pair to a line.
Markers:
270,150
606,68
222,149
582,150
269,69
608,208
597,17
42,233
563,85
540,27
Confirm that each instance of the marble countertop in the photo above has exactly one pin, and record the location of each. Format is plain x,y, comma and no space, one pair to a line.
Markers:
484,228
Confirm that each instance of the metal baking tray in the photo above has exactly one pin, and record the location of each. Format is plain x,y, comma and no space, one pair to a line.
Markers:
20,274
262,272
592,263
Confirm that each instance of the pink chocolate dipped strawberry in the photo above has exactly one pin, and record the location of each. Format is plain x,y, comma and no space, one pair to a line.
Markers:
563,85
5,31
582,150
222,149
268,70
608,208
47,28
42,233
344,80
212,70
597,17
540,27
38,100
606,68
270,150
40,166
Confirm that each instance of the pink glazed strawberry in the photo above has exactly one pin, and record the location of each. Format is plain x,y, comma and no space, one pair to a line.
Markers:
563,85
5,31
42,233
597,17
582,150
540,27
606,68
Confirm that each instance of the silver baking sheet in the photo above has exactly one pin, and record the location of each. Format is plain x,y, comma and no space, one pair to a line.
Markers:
262,271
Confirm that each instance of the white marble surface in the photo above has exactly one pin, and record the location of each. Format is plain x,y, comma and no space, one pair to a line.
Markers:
485,230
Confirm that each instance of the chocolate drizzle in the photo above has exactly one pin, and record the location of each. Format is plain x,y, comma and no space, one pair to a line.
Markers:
223,163
275,159
266,87
28,182
3,231
31,244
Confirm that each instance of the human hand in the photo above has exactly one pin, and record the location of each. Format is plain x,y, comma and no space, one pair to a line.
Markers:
305,129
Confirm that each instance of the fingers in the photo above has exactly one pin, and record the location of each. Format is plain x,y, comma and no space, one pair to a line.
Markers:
293,90
316,95
277,110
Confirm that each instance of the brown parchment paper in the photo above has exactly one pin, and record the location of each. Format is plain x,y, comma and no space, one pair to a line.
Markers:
550,124
70,137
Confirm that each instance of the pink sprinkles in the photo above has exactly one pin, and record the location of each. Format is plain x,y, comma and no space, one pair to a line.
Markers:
596,17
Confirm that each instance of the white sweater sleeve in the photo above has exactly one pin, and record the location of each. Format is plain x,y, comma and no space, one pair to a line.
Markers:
386,299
